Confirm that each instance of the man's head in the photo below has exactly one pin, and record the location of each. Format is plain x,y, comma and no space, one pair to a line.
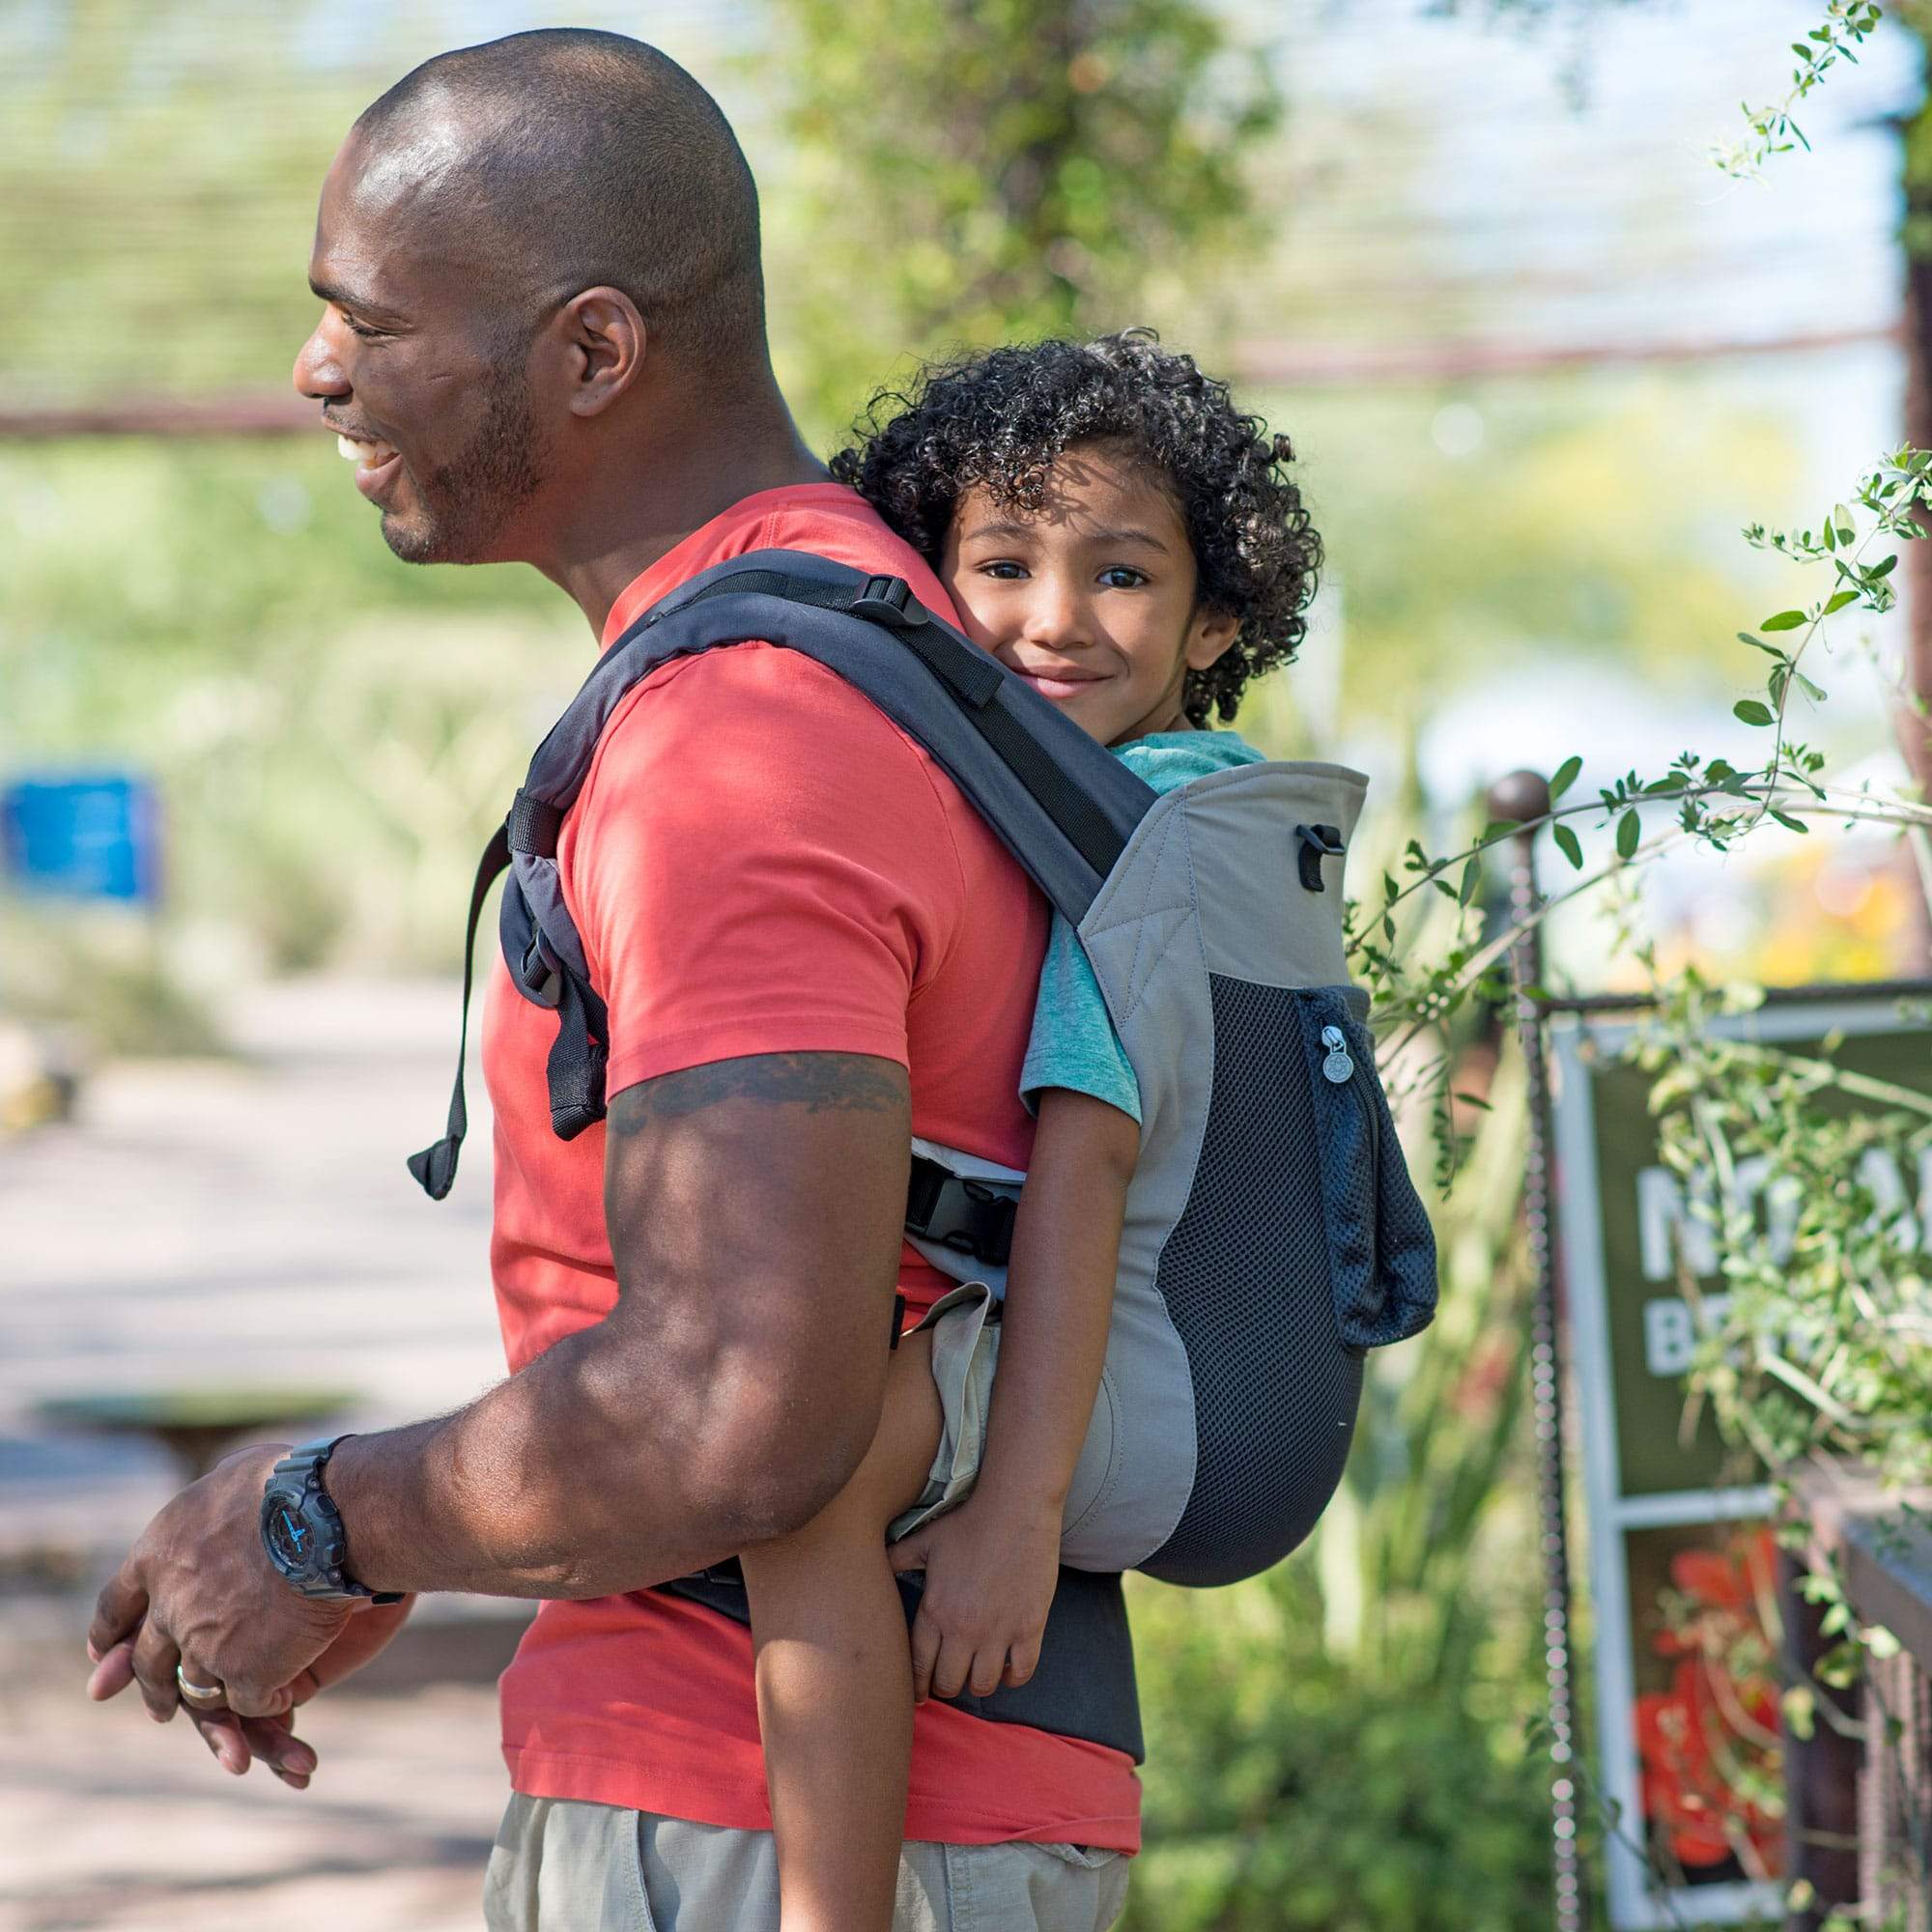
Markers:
521,245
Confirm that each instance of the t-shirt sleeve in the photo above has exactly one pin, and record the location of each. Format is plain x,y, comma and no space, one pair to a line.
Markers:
1073,1043
759,863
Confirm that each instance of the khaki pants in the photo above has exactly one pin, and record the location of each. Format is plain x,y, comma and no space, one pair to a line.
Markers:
563,1866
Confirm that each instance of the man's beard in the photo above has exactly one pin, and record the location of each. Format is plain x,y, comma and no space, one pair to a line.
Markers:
463,506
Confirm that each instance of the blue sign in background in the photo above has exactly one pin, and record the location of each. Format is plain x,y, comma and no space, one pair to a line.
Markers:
83,836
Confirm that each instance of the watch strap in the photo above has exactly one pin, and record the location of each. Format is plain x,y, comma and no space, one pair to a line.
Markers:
296,1482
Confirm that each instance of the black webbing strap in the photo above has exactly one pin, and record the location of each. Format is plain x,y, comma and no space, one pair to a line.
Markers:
532,826
967,1216
577,1058
435,1166
970,677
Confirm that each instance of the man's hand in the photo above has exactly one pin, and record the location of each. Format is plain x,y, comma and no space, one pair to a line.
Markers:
235,1743
198,1592
990,1572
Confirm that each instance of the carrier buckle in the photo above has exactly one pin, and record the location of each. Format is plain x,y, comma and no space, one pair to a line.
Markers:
889,601
967,1216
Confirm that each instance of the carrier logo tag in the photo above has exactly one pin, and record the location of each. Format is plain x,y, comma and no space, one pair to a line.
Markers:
1337,1067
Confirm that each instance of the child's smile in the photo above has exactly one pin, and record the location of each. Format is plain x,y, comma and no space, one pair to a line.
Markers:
1092,598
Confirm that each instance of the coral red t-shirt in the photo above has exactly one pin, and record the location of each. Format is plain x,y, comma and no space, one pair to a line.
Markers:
761,862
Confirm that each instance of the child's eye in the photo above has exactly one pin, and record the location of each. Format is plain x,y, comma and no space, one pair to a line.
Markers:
1003,570
1135,578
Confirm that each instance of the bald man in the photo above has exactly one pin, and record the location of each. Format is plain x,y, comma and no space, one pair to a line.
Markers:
543,340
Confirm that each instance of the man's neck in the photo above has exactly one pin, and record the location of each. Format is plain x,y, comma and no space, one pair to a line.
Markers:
642,510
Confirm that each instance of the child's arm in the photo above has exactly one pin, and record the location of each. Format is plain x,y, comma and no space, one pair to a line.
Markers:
992,1563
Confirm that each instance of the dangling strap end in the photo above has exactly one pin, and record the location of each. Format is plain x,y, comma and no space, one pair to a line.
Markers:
435,1168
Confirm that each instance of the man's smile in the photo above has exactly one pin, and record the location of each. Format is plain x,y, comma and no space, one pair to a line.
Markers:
376,461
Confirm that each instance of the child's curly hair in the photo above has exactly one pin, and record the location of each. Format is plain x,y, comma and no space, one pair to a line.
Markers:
1002,417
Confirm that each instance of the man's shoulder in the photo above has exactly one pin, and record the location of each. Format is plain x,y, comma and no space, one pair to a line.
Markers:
838,523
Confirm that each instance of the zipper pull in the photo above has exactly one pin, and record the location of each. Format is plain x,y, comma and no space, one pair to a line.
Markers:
1337,1067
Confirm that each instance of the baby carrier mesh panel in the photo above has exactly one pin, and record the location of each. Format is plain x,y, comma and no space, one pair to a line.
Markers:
1250,1297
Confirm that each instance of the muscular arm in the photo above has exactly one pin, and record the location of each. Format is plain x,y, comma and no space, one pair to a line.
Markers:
754,1209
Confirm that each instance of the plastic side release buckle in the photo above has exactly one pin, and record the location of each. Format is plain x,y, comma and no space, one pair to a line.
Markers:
967,1216
889,601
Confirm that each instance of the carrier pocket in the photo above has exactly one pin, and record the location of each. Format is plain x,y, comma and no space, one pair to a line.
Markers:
1382,1251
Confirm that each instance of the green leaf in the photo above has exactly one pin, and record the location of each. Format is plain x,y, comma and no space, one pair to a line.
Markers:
1811,691
1565,778
1567,843
1882,569
1789,823
1759,644
1785,620
1472,879
1630,829
1800,1706
1837,601
1880,1642
1839,1668
1751,711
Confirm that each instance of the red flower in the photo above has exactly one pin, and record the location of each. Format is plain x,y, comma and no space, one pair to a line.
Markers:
1698,1740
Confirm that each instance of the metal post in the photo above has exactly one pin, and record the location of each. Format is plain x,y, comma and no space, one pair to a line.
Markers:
1524,796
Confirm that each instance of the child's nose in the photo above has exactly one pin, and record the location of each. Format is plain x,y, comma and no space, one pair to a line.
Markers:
1055,616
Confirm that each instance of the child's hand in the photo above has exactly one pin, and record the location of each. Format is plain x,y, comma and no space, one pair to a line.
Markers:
990,1570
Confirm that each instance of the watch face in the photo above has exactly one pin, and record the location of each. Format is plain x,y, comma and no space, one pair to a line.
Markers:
291,1541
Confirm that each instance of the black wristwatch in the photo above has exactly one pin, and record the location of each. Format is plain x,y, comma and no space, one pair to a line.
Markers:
302,1529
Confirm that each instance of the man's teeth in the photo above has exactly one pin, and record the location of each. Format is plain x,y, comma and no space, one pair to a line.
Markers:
365,454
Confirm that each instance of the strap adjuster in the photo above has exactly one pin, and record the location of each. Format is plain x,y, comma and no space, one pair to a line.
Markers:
1317,842
889,601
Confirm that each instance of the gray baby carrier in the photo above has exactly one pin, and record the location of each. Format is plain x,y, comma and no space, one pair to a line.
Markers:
1272,1232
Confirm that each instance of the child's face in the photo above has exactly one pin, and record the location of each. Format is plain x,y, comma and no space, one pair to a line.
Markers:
1092,600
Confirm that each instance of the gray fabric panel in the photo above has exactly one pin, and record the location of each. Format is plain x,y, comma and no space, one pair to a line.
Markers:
1245,1277
1225,847
1168,1033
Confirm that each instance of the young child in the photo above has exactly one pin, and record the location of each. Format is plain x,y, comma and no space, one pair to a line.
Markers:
1113,530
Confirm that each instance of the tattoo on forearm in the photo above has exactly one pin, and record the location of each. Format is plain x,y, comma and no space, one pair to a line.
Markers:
840,1082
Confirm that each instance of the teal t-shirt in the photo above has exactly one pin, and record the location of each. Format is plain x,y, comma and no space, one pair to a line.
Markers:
1073,1043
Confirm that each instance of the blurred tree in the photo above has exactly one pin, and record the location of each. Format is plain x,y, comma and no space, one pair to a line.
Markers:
980,170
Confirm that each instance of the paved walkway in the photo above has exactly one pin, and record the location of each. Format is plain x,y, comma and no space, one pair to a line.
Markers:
213,1225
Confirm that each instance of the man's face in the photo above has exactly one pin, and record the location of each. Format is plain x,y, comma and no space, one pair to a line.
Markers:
419,362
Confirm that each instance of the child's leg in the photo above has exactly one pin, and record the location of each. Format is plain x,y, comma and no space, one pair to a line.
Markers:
835,1674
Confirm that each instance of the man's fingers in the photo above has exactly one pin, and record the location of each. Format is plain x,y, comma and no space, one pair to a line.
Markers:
118,1607
287,1756
156,1656
259,1700
221,1732
112,1673
908,1553
1022,1663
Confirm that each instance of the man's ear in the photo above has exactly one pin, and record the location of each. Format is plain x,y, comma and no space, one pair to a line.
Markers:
603,340
1210,635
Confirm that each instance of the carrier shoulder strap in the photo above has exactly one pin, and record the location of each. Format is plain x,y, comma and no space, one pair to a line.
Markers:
1062,805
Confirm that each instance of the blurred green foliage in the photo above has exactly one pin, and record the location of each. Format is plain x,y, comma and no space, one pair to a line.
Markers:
975,171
